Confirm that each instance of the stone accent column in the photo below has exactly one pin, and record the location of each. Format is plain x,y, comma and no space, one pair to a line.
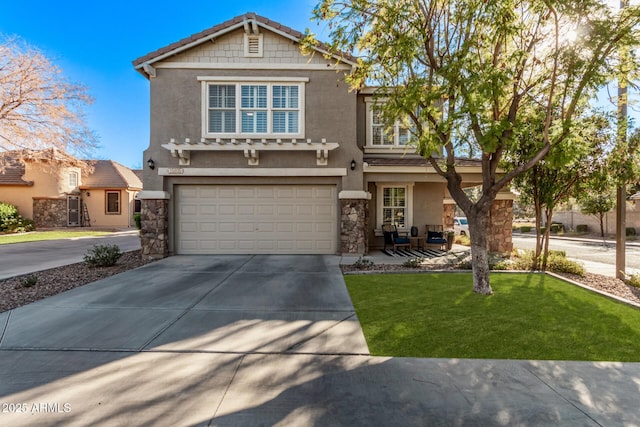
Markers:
354,222
448,213
500,226
154,222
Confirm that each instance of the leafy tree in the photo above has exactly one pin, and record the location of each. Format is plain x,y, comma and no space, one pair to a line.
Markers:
553,180
38,108
469,73
597,204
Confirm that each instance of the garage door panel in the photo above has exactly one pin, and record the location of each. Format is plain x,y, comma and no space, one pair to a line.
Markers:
227,227
256,219
208,210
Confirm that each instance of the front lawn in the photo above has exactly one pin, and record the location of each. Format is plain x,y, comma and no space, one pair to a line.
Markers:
48,235
530,316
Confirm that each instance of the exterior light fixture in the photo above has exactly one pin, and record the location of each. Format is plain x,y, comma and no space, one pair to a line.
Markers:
353,164
151,163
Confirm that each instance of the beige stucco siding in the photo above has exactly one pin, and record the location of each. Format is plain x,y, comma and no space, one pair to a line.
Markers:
47,182
96,199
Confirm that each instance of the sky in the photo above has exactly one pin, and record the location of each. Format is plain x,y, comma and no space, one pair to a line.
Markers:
94,44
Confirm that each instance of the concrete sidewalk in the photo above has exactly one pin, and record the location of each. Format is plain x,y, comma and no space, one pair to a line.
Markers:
265,340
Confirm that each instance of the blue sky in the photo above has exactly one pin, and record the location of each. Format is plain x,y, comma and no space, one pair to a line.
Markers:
95,42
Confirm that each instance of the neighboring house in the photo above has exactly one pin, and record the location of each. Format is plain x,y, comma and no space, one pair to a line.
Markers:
256,148
58,190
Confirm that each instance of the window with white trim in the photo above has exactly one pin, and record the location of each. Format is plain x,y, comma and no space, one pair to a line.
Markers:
254,109
379,135
73,179
394,202
112,203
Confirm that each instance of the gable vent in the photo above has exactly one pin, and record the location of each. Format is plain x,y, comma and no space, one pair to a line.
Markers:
253,45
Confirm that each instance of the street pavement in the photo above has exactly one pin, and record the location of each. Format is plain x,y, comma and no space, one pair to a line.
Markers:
23,258
265,340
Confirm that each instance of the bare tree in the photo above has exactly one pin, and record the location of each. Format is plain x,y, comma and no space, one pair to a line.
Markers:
39,108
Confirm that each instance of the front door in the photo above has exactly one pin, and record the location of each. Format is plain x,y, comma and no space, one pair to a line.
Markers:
73,211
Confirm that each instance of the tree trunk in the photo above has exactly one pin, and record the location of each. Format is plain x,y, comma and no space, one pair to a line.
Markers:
539,239
547,235
602,225
478,222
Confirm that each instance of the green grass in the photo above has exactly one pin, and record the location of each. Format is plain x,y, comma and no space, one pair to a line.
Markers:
47,235
530,316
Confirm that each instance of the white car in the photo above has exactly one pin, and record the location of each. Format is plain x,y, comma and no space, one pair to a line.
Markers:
460,225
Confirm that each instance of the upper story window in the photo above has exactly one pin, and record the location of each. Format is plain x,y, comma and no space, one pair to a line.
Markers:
73,179
380,135
398,135
272,109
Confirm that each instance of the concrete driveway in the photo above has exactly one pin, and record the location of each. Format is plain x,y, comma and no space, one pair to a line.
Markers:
265,340
23,258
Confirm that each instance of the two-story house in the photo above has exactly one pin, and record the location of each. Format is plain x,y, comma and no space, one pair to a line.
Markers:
257,148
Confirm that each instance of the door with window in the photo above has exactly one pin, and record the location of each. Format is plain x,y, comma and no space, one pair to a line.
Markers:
73,211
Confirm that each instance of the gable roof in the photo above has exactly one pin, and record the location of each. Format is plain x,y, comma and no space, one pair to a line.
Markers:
110,174
226,27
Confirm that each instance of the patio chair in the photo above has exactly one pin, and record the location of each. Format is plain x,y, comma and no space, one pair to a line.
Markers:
435,237
392,238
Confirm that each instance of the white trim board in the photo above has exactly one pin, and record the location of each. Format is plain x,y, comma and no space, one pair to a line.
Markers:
266,172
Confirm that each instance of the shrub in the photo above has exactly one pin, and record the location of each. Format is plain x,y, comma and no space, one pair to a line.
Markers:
11,221
525,228
29,281
630,231
582,228
363,263
137,218
462,240
634,280
9,216
103,255
556,262
560,264
557,227
412,263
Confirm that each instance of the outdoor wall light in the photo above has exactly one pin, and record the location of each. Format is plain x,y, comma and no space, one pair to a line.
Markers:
151,163
353,164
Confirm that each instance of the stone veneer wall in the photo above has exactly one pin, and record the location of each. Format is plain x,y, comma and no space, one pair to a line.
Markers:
448,213
354,223
50,212
154,231
500,226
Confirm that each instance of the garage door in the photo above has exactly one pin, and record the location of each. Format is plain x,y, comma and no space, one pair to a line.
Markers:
241,219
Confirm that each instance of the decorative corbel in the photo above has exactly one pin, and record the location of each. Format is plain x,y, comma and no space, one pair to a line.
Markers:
252,155
322,157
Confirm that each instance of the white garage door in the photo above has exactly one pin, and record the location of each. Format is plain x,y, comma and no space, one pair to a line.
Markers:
247,219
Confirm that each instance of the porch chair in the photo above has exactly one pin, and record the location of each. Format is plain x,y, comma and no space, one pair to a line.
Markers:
392,238
435,237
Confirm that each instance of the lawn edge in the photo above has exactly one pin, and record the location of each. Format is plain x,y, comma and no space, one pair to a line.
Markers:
594,290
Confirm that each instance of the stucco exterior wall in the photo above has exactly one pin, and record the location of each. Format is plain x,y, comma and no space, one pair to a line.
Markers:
47,183
96,202
330,113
